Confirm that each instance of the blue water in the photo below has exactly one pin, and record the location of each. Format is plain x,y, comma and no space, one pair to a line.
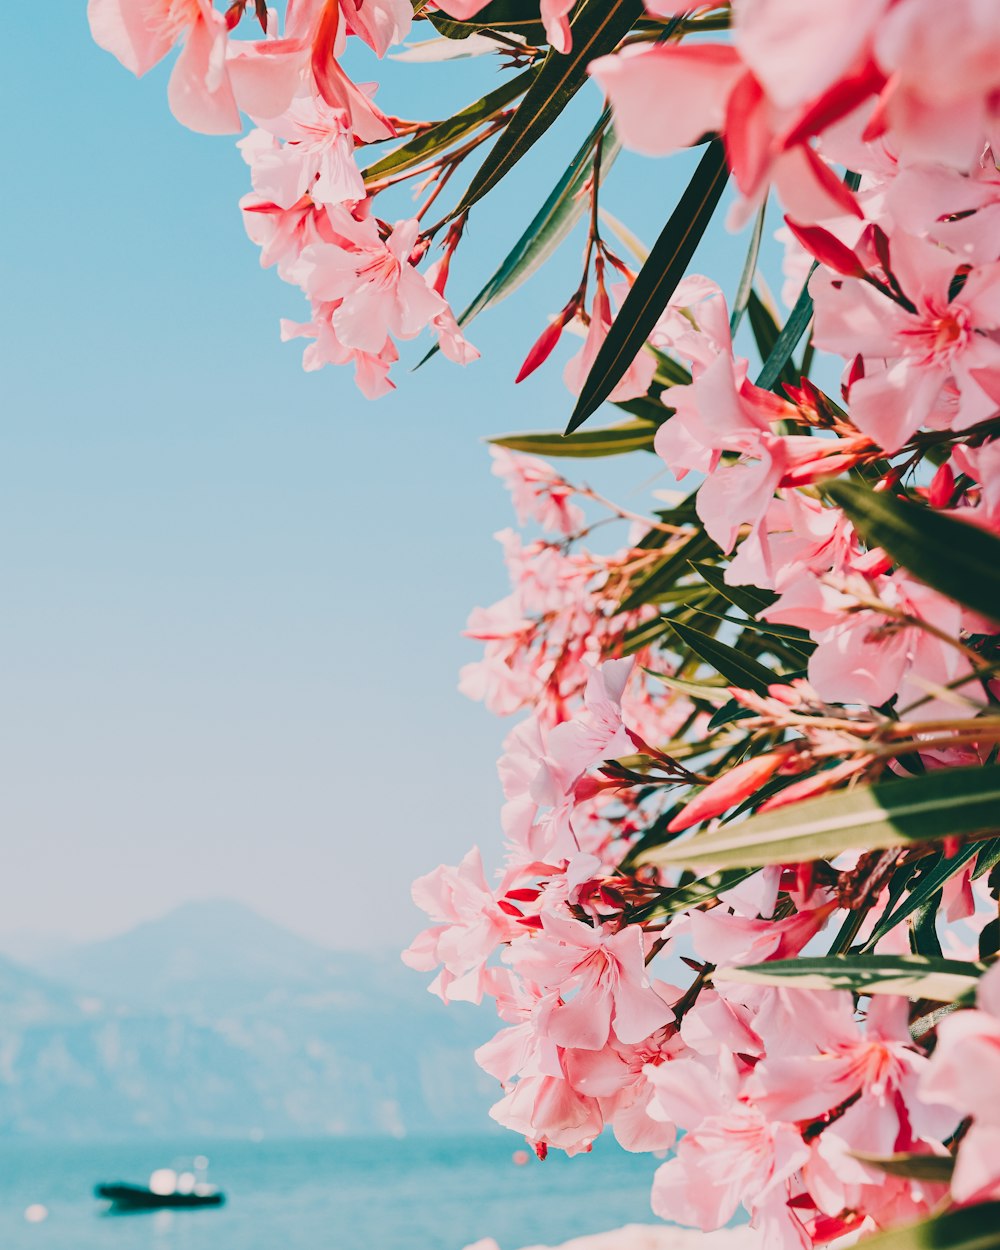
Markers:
340,1194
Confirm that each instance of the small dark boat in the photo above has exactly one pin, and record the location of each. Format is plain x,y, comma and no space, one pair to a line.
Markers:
124,1197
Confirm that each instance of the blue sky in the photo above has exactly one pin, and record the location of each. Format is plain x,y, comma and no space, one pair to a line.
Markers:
234,591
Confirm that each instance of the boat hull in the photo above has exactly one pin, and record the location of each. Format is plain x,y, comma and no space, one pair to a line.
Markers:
139,1198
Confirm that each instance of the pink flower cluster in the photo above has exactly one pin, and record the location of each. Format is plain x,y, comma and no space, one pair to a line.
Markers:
310,211
780,1096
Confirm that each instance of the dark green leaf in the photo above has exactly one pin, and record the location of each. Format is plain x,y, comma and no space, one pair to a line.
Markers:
598,27
507,16
950,802
960,560
665,575
656,282
923,891
613,440
745,289
747,598
913,976
738,670
787,340
445,133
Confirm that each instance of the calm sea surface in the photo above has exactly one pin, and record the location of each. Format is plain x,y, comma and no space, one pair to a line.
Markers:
419,1194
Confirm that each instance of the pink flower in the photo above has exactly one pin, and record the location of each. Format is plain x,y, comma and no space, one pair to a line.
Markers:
315,159
919,366
140,33
471,928
941,103
637,377
618,1076
964,1075
604,975
371,369
597,733
380,291
539,493
865,656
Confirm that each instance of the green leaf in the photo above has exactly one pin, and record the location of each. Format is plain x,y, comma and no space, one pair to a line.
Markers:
738,670
508,16
747,598
745,289
599,26
665,575
655,283
960,560
613,440
443,134
926,887
950,802
705,692
684,897
969,1228
787,340
920,1167
913,976
549,227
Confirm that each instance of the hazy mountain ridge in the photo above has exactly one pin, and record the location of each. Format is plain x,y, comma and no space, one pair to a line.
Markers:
214,1021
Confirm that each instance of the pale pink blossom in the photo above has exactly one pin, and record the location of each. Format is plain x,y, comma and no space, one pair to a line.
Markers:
605,976
964,1074
932,365
140,33
380,292
470,927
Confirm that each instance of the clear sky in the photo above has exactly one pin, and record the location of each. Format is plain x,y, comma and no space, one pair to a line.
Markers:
234,591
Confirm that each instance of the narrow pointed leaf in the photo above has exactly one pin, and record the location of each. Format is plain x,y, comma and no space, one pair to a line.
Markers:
598,28
918,1167
960,560
667,574
940,980
656,282
951,802
787,341
445,133
924,890
507,16
745,288
738,669
613,440
969,1228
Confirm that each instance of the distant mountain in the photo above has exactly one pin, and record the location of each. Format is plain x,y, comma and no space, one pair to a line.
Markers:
213,1020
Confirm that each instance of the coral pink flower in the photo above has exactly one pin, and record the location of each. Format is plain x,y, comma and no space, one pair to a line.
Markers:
604,975
140,33
739,783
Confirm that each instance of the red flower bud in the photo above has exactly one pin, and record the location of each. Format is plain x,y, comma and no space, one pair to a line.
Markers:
726,791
